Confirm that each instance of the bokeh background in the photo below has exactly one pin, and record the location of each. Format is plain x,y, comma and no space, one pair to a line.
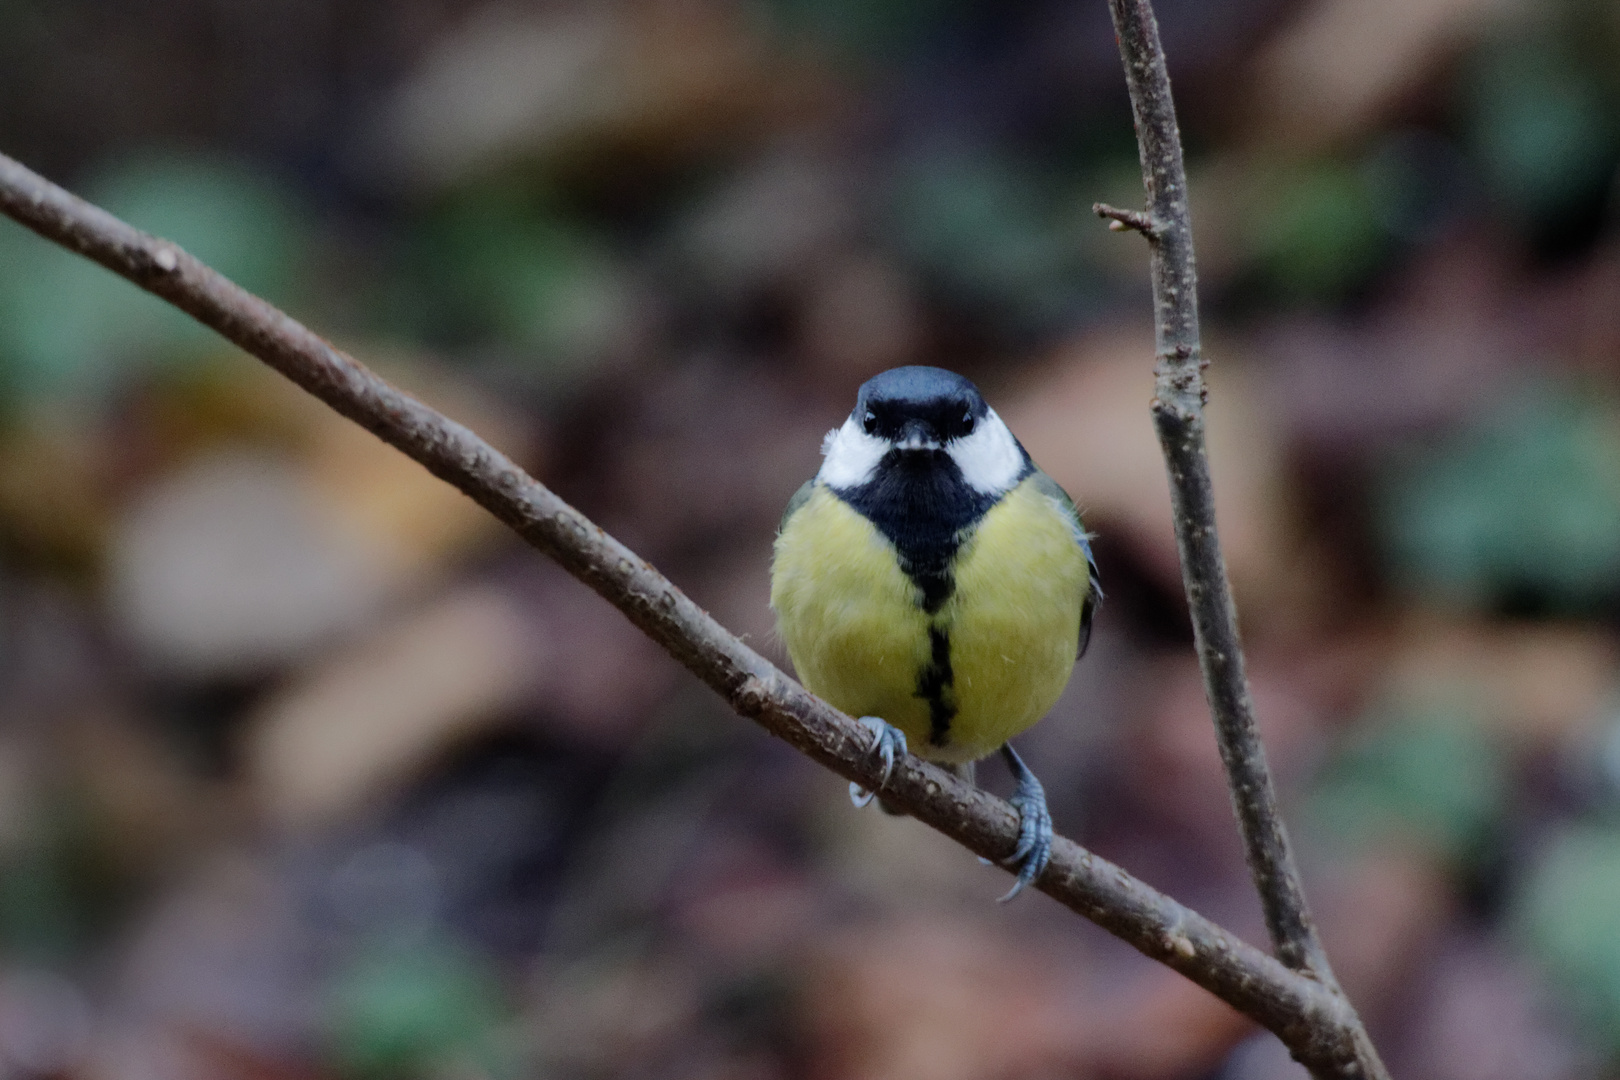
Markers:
307,770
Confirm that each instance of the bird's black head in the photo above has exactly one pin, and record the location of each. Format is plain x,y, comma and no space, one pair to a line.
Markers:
926,432
919,407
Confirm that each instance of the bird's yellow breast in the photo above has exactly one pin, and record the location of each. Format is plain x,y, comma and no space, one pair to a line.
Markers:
998,652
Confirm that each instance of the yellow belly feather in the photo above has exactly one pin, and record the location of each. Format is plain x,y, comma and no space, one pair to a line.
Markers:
852,621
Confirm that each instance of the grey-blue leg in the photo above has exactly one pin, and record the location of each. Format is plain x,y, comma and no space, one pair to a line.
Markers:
889,745
1034,824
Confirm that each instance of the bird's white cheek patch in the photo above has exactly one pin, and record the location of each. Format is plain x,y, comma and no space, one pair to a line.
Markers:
852,456
989,458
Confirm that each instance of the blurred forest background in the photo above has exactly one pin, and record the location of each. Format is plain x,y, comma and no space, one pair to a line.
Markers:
308,770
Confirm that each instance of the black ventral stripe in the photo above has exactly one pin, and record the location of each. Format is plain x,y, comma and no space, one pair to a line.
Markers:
919,501
935,683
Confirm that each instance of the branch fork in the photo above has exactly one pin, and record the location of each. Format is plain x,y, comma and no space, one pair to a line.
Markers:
1178,417
1294,995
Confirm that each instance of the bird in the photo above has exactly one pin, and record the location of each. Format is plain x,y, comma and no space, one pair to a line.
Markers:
932,581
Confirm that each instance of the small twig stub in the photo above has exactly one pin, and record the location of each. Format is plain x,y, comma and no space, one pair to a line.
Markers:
1127,220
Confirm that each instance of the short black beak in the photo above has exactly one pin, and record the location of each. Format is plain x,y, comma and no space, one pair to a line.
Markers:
917,435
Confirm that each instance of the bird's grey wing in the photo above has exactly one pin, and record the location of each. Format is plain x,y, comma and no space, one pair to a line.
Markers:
800,497
1088,607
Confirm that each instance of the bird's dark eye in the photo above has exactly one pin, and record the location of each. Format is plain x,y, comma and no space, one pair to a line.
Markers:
869,424
967,421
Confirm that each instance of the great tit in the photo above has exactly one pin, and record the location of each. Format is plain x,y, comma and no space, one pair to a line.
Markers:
932,581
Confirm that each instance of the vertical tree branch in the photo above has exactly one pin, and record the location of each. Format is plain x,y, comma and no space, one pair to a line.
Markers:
1178,415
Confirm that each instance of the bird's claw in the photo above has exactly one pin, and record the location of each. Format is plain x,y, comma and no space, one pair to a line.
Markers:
889,746
1034,848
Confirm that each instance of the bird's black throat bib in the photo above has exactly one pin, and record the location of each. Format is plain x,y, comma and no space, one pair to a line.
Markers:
920,502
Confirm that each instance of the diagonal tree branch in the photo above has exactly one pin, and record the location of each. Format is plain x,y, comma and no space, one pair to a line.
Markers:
1178,415
1313,1020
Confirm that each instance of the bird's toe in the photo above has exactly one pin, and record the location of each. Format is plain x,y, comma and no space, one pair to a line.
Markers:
888,746
1034,849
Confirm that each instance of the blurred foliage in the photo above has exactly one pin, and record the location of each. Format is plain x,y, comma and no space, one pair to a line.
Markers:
1425,776
994,233
69,327
1320,231
497,264
59,886
1520,507
1319,234
1419,183
868,31
1544,129
1569,919
420,1008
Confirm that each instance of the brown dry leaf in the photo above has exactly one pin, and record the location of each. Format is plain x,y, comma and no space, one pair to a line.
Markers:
1164,1026
900,862
943,998
274,524
1343,63
223,1058
228,567
783,217
1534,683
1380,916
407,518
609,1015
754,919
1590,314
411,520
519,83
131,1051
1174,761
55,498
861,315
937,999
1084,417
366,721
140,796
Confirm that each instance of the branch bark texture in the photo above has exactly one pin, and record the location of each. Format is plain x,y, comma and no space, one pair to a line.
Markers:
1315,1022
1178,416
